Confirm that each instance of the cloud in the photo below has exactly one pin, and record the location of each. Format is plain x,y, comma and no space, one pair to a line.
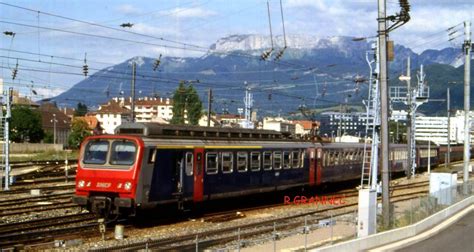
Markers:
128,9
189,13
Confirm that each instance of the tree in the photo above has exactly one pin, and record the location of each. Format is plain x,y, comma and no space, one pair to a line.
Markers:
179,100
79,131
25,125
193,105
48,137
186,99
81,109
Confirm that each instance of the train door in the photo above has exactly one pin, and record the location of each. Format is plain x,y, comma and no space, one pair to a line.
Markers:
319,165
312,166
198,191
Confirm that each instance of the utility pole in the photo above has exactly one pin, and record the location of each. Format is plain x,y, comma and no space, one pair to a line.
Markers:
7,139
134,65
407,78
382,37
54,128
448,107
209,107
467,80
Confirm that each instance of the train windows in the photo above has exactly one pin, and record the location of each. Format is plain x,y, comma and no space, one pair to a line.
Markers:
211,163
189,163
325,159
335,158
286,160
277,160
123,153
303,153
295,159
267,160
255,161
242,161
227,161
96,152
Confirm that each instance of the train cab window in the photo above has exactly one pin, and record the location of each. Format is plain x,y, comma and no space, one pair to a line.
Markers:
295,161
227,161
267,160
211,163
189,163
242,160
277,160
123,153
96,152
286,160
255,161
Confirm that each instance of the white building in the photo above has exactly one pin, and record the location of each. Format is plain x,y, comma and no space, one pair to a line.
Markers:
436,128
149,109
278,124
112,115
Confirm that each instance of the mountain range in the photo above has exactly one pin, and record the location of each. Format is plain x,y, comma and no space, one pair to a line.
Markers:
312,72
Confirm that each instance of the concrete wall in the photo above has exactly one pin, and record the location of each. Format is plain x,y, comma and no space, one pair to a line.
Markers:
377,240
34,147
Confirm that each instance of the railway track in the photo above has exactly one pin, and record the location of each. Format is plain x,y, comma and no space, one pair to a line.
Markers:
46,188
48,206
34,199
348,193
224,235
12,229
46,234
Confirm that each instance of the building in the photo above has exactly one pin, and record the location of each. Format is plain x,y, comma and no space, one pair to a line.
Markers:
93,123
305,127
149,109
55,122
23,101
333,124
203,121
69,112
435,129
111,115
230,120
279,124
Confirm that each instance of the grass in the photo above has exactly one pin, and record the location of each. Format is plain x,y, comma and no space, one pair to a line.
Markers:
46,155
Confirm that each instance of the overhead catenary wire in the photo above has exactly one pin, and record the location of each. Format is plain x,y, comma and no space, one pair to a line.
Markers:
186,46
99,25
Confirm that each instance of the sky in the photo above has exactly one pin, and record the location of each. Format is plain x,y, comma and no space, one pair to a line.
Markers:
50,38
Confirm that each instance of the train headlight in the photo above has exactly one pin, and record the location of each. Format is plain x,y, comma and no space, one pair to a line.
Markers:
81,183
128,186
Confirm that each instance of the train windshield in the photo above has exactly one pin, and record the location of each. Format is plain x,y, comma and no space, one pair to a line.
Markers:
96,152
122,153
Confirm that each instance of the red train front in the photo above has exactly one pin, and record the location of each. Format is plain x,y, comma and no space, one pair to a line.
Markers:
107,173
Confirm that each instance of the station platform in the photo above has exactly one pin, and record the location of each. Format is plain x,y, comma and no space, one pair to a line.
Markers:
453,234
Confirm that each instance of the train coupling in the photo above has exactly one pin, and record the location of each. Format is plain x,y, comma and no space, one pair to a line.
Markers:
100,203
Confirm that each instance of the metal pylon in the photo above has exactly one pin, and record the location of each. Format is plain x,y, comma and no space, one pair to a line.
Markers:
370,160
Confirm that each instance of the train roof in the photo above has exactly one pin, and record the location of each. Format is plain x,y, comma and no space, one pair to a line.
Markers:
157,130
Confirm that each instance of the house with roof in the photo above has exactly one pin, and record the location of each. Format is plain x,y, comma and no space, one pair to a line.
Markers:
55,122
111,115
93,124
305,127
149,109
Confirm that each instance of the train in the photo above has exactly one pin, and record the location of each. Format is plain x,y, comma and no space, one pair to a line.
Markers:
148,165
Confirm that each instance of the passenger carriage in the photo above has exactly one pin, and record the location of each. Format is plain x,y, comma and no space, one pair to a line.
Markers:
146,165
